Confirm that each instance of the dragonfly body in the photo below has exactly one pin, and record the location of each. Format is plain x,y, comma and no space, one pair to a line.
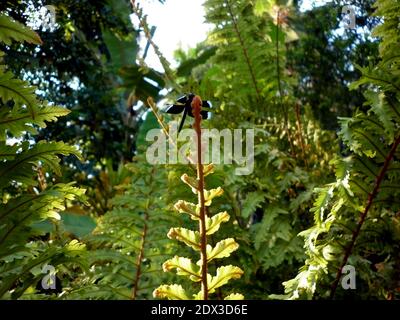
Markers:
184,104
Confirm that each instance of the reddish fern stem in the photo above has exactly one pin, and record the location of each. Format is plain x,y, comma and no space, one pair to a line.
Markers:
371,198
196,106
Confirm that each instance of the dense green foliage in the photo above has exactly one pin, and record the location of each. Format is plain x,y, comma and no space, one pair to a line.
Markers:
324,103
354,214
26,196
128,246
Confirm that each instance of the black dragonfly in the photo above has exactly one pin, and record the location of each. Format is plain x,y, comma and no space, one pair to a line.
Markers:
184,104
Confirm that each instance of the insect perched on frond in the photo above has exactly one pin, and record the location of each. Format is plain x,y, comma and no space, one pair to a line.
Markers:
184,104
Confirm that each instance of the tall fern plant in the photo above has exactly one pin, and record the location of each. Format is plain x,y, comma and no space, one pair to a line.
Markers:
198,240
356,218
26,196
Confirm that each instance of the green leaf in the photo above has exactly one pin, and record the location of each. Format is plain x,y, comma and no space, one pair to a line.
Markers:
186,67
17,216
122,49
253,201
213,223
18,120
74,247
148,124
19,91
383,111
77,224
222,249
8,152
262,6
13,30
20,169
184,267
224,274
189,237
172,292
135,77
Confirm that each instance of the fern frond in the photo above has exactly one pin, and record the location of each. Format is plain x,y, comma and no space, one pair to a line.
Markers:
347,212
19,213
19,169
128,245
19,91
26,271
21,254
16,121
13,30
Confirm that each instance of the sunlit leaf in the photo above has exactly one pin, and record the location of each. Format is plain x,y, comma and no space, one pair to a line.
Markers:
209,195
171,292
13,30
224,274
187,207
222,249
191,238
234,296
213,223
184,267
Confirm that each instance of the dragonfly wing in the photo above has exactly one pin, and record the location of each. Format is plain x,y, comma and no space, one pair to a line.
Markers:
204,114
175,108
182,99
207,104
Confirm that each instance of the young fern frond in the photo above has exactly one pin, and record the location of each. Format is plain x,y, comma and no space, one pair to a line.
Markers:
197,240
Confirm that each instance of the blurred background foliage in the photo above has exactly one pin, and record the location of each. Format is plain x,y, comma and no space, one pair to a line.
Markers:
265,65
